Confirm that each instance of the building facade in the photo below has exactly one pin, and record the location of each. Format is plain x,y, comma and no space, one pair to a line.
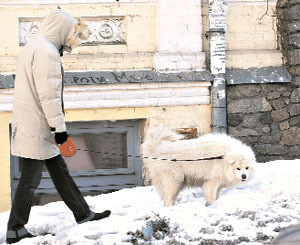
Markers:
147,63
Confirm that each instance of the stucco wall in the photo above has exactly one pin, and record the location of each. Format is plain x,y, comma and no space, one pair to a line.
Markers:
141,42
155,103
5,118
250,38
250,42
179,35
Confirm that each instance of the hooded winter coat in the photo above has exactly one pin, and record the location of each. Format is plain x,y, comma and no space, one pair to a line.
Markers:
37,105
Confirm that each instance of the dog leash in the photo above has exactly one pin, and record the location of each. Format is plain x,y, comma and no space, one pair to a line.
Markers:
155,158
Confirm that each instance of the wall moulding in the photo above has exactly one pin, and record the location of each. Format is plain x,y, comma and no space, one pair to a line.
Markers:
120,77
258,76
105,30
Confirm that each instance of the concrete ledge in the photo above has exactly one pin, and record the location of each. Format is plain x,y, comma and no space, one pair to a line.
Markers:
121,77
257,75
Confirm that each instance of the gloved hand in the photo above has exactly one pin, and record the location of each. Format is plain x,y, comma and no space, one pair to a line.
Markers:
61,137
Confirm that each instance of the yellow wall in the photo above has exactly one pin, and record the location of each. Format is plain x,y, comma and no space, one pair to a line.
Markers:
250,38
136,54
5,118
173,117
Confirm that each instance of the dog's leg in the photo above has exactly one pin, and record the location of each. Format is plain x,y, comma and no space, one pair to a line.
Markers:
172,194
210,190
219,192
169,184
169,187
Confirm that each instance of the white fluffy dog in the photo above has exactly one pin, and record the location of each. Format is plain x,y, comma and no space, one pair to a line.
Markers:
170,177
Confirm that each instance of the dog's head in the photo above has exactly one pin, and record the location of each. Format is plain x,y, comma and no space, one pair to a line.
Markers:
243,170
79,33
241,165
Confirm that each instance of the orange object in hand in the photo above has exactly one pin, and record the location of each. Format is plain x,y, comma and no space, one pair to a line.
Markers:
68,148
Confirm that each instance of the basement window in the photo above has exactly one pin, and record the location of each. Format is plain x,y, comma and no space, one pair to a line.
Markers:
106,159
104,150
96,151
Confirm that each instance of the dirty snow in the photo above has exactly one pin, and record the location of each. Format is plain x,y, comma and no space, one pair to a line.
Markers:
251,214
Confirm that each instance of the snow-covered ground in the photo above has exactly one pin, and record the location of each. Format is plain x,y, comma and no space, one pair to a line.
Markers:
251,214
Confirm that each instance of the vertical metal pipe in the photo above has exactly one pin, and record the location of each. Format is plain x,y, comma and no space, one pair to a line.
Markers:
217,28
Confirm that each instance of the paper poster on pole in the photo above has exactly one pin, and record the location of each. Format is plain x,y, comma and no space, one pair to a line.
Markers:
218,55
217,14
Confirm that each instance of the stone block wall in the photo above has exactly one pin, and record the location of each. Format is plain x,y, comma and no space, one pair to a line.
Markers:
266,117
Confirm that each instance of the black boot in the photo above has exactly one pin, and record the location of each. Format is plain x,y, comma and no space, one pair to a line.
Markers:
102,215
95,216
16,236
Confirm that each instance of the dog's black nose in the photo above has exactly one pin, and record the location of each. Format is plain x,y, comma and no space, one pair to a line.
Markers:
244,176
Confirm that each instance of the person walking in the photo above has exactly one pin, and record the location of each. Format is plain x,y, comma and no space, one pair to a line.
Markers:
38,121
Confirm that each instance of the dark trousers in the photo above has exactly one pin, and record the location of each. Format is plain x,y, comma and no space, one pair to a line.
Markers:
30,179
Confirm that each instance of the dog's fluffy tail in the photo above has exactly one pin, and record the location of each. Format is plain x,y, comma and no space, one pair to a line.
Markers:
155,136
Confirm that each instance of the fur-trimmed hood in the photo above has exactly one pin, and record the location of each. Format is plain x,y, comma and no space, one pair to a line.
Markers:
56,27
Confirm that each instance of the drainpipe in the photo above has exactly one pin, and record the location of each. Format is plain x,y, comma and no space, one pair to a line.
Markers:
217,28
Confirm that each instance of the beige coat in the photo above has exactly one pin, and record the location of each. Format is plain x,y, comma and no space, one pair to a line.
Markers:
38,90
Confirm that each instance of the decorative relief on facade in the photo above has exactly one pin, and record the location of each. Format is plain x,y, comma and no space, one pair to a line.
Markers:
104,30
27,28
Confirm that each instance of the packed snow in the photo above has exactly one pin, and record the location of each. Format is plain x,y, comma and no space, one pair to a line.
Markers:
251,214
